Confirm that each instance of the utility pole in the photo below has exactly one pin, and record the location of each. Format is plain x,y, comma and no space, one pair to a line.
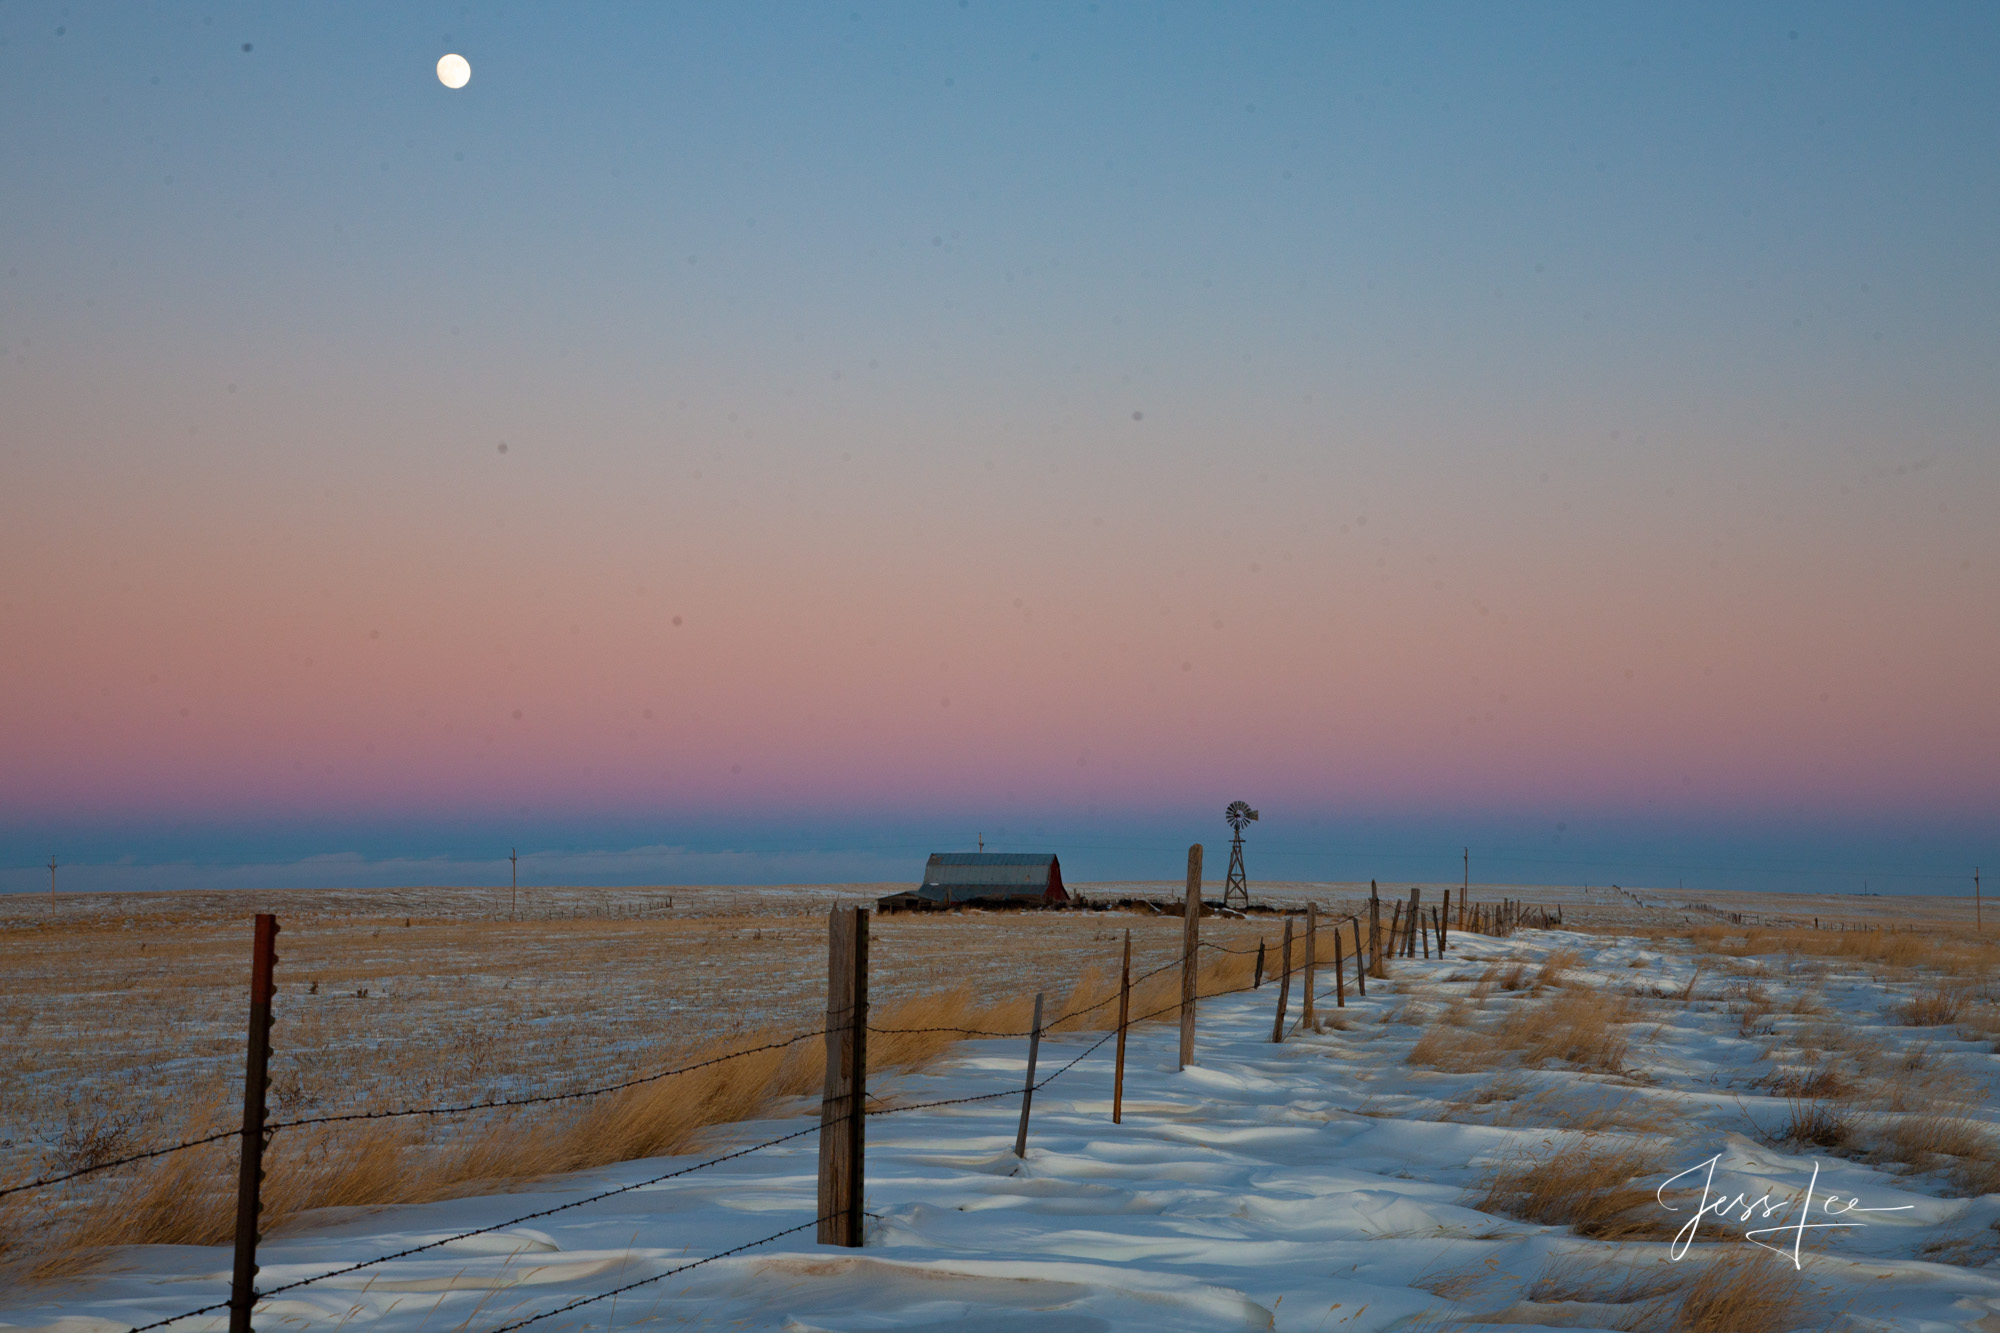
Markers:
513,881
52,878
982,842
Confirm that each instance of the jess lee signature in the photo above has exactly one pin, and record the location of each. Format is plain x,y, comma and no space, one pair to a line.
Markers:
1764,1208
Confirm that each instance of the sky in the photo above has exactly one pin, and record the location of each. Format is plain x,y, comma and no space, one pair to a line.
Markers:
768,443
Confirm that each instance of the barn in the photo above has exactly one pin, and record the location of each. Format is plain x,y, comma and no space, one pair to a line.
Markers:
953,878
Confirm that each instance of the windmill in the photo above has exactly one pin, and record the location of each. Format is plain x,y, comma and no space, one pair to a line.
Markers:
1236,890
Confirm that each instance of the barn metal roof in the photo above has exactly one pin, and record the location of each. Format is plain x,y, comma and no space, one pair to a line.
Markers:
992,858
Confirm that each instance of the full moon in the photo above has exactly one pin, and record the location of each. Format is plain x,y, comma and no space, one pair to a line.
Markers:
454,71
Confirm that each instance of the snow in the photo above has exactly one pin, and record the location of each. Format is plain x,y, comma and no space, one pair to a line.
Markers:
1250,1191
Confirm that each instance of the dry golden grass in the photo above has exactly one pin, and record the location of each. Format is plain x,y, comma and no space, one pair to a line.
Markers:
187,1198
1713,1290
1945,948
1936,1005
1578,1028
1595,1186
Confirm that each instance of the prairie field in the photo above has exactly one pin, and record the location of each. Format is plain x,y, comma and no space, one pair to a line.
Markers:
1600,1054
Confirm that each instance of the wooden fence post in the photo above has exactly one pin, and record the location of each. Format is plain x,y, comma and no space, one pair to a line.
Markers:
1124,1017
842,1113
1395,931
1257,977
256,1077
1312,958
1360,963
1416,925
1190,948
1284,984
1339,973
1028,1092
1375,967
1444,921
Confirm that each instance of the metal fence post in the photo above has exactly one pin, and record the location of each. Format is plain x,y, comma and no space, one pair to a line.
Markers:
1190,947
256,1077
1124,1015
1028,1092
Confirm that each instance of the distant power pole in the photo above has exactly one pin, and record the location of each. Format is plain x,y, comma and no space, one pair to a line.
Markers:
513,881
982,842
52,878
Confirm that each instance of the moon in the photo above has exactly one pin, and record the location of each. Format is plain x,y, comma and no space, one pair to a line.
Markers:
454,71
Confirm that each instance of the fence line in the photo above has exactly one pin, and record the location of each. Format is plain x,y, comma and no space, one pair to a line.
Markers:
1034,1085
548,1098
1037,1086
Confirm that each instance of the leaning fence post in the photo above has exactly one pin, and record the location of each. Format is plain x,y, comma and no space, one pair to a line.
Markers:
1312,956
1190,945
1257,977
256,1076
1124,1016
1395,929
1444,920
1284,984
1339,973
1360,963
1028,1092
842,1117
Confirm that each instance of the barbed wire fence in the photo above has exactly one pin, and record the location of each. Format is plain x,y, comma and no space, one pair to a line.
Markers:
842,1112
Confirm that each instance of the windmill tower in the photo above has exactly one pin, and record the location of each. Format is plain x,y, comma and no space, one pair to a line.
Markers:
1236,889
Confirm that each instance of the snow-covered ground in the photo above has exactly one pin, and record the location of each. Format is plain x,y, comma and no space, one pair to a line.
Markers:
1322,1184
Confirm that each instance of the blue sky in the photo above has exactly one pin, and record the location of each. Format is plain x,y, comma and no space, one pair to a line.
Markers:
1011,400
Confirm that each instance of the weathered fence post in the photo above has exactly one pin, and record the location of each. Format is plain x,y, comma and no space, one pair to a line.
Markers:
1443,921
842,1114
1416,925
1312,957
1028,1092
1396,929
1376,965
1360,963
1190,947
1339,973
1257,977
1284,984
256,1077
1124,1016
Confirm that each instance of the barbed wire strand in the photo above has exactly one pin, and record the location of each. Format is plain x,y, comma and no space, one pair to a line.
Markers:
276,1125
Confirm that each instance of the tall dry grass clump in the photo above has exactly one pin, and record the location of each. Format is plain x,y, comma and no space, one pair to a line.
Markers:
1595,1187
1712,1290
1936,1005
1583,1030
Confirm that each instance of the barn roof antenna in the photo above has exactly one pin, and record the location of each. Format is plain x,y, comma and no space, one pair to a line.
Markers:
1236,889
